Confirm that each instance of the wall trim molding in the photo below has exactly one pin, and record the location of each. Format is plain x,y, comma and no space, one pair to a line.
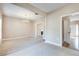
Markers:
18,37
53,43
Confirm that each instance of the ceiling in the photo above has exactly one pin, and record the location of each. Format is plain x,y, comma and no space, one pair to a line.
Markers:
48,7
19,12
74,17
25,13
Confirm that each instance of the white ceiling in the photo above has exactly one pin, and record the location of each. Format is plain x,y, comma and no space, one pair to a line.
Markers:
74,17
16,11
48,7
24,13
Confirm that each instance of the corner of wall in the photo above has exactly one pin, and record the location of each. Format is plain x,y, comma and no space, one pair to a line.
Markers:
53,43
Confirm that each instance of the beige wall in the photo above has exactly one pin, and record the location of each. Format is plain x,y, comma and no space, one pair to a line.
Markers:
54,23
14,27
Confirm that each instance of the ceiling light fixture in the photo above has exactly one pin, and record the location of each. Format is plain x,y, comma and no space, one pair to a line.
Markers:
36,13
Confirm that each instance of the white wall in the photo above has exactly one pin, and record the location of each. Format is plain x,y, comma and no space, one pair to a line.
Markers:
54,23
0,28
0,25
75,35
14,27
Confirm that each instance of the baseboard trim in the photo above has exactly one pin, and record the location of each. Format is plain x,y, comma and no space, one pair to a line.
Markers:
14,38
53,43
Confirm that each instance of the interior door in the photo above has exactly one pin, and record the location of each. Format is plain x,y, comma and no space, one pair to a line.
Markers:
66,23
73,35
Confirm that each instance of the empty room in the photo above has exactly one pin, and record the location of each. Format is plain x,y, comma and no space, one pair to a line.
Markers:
39,29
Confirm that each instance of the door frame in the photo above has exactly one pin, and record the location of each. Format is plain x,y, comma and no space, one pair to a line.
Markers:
61,27
63,20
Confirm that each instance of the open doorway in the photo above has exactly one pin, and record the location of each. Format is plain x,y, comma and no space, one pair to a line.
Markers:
66,31
70,31
39,29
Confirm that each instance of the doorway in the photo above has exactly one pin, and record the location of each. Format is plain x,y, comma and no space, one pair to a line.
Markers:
66,31
40,30
70,31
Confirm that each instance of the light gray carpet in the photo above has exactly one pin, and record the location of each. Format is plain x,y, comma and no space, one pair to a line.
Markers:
11,46
45,49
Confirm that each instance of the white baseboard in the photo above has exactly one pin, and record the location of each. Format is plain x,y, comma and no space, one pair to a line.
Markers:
13,38
53,43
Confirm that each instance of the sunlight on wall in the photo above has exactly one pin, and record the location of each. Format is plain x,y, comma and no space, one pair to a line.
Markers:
76,42
0,29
